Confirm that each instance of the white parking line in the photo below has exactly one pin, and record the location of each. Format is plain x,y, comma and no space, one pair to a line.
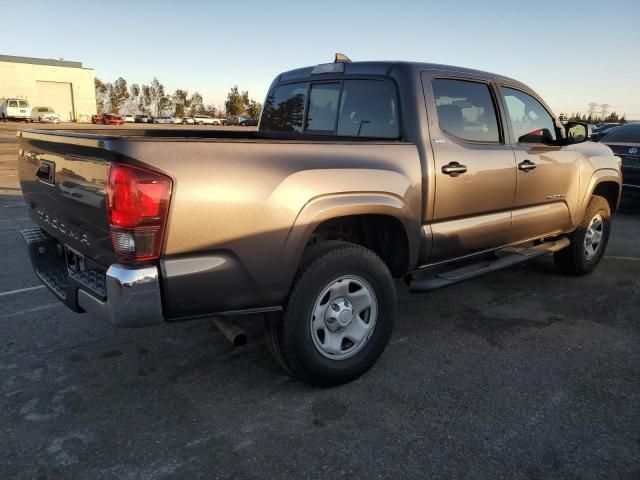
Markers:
31,310
20,290
614,257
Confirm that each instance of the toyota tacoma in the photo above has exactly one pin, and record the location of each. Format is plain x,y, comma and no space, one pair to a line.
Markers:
359,173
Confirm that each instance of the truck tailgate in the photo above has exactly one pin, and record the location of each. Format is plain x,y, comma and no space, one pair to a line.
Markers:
63,180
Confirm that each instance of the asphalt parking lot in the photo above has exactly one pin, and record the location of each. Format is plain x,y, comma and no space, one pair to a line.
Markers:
522,374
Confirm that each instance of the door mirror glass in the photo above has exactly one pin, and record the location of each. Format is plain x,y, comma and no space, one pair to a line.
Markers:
576,132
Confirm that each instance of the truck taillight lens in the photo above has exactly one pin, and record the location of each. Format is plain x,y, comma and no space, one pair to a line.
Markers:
138,204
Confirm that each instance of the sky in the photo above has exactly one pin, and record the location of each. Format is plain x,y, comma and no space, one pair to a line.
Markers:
571,52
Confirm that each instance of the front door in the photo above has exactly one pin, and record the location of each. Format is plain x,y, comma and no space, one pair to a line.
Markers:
547,174
475,174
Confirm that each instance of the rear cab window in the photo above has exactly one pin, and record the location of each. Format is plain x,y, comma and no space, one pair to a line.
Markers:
284,108
346,108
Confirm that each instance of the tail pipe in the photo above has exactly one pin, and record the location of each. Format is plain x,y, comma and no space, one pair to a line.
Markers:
233,333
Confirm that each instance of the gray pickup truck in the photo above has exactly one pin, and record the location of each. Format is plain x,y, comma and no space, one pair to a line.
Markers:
359,173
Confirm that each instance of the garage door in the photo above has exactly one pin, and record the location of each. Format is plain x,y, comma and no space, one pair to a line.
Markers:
56,95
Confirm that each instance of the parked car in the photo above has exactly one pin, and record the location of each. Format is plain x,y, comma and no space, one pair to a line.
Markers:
205,120
176,120
423,172
187,121
129,118
15,109
44,114
163,119
605,126
249,122
625,143
141,119
112,119
602,132
97,118
235,120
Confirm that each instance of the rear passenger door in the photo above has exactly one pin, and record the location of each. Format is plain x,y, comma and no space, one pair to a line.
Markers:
475,170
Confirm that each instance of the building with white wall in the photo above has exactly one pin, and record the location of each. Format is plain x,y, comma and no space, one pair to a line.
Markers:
65,86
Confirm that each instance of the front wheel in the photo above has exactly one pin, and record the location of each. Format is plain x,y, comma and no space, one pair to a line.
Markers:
588,241
338,318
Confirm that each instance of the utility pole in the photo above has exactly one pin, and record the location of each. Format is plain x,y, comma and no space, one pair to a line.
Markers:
592,109
604,111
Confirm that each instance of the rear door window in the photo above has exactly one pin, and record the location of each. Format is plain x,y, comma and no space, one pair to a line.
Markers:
23,103
13,103
284,108
466,110
369,108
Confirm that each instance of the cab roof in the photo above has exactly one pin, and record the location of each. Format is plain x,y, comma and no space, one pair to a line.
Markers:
383,68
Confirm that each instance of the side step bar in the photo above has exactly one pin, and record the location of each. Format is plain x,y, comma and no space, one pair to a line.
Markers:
507,257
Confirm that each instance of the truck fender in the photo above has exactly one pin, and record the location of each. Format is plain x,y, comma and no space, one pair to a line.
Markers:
327,207
599,176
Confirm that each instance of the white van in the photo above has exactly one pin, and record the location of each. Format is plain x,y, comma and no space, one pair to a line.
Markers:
15,109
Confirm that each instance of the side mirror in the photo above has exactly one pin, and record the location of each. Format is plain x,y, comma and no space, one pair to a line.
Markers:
577,132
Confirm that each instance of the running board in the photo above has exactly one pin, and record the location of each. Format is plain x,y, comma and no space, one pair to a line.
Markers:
507,257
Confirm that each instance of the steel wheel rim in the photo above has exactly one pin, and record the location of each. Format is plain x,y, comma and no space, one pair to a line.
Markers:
593,236
344,317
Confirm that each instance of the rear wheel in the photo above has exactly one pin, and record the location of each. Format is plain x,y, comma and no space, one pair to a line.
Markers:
338,318
588,241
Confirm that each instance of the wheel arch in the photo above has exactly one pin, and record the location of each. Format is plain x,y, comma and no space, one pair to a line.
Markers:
370,219
605,183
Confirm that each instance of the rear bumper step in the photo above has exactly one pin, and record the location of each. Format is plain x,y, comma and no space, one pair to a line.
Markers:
126,296
507,257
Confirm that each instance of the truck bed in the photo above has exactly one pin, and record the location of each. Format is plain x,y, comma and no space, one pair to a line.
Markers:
236,195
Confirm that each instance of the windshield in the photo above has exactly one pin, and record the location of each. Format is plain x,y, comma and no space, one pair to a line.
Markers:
626,134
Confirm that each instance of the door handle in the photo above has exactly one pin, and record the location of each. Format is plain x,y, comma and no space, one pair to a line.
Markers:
526,165
454,169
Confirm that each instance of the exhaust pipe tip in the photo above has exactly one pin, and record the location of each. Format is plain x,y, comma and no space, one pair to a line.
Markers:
236,336
240,340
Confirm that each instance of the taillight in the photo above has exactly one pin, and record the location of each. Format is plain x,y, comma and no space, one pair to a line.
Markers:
138,204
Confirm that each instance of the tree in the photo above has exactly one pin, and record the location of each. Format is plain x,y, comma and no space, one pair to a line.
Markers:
134,90
101,95
211,110
118,94
159,102
180,101
144,104
237,102
254,109
196,105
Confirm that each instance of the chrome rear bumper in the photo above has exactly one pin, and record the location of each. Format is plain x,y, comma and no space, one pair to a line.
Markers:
133,297
126,296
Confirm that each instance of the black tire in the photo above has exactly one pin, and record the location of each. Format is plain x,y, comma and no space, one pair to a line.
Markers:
288,335
575,259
